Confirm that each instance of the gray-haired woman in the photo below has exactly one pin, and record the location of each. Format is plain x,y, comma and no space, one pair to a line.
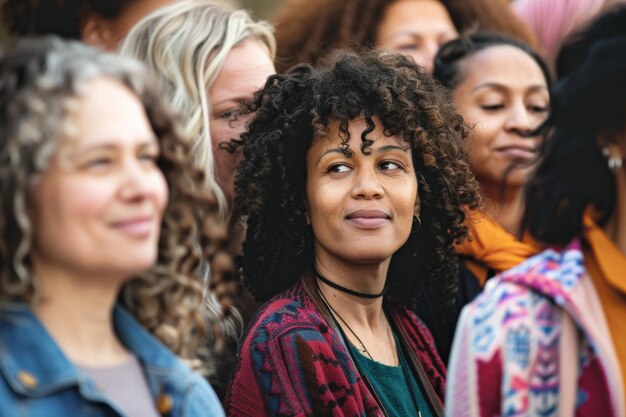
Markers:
101,214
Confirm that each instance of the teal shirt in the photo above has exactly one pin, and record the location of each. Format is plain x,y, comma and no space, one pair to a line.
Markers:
391,385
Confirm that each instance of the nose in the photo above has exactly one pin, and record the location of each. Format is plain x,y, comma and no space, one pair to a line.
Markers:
140,180
518,120
367,184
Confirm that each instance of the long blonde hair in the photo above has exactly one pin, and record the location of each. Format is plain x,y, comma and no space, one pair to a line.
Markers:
185,44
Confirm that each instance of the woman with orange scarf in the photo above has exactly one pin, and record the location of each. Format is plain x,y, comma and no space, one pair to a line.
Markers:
501,89
555,324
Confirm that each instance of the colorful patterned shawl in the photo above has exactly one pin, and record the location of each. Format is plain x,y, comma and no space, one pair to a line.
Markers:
536,343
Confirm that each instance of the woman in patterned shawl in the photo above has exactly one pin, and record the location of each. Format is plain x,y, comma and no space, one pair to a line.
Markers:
548,337
354,181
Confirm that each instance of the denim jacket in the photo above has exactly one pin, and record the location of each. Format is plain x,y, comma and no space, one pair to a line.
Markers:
37,379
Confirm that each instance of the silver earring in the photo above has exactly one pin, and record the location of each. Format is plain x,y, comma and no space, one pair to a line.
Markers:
614,163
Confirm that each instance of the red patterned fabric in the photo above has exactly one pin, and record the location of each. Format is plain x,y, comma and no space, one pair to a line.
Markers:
293,363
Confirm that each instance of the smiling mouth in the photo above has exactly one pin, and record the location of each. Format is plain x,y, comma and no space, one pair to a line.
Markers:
368,219
138,227
522,153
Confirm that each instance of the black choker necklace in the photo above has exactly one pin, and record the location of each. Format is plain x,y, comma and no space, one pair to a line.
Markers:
348,290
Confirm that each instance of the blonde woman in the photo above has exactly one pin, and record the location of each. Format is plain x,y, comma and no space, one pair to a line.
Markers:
210,59
102,215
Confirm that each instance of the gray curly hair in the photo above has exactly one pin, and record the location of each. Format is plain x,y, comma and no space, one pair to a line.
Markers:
39,81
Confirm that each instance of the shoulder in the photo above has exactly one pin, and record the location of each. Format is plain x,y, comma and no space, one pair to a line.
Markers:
288,330
291,312
288,355
550,275
9,399
506,313
409,319
200,399
554,272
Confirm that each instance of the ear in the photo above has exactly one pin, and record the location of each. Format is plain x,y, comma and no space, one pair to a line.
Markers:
96,31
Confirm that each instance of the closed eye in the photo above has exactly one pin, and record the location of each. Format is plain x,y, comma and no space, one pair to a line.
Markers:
407,47
492,107
538,109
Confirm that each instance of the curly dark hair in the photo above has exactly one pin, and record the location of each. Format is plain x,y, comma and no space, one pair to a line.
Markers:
55,17
306,30
38,81
294,109
588,100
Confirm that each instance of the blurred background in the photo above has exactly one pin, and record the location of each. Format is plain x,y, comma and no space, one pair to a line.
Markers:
262,9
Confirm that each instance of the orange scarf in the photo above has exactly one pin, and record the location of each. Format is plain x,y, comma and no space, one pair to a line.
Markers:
491,247
606,264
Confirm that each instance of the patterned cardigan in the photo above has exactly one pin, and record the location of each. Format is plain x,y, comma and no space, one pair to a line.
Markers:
536,343
294,362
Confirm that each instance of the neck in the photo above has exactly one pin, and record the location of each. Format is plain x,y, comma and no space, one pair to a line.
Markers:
615,227
77,311
506,207
362,319
363,278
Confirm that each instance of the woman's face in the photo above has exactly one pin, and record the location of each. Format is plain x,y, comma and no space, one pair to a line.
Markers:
245,70
98,206
416,28
503,96
360,208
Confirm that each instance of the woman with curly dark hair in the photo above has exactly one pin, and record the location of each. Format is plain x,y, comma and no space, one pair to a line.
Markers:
308,30
104,224
101,23
548,337
355,185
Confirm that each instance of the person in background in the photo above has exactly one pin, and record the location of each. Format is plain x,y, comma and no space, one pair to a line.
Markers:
354,183
501,87
104,222
101,23
548,336
308,30
210,59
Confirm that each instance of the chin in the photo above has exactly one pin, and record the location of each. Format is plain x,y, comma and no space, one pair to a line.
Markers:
370,256
136,263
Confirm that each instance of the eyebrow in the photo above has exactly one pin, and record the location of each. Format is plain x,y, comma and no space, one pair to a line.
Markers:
412,34
100,146
392,147
498,86
236,100
385,148
332,150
